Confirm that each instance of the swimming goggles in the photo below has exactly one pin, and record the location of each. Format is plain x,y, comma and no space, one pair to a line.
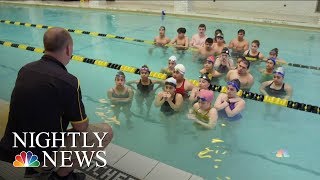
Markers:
201,98
145,69
234,85
280,73
120,75
205,77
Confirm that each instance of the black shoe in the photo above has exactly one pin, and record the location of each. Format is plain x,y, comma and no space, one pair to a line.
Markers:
71,176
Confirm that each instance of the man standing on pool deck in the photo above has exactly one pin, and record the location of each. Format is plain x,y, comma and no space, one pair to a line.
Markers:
239,45
198,40
46,98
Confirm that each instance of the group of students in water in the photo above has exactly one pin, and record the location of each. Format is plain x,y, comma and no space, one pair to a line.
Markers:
176,93
217,60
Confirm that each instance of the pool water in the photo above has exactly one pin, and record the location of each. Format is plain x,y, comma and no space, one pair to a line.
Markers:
250,145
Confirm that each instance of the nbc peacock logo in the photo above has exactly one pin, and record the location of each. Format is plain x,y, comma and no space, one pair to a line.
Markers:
26,160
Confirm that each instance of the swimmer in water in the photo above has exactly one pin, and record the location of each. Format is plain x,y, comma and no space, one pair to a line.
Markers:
172,62
274,54
206,51
121,96
219,45
168,100
224,63
204,83
183,86
202,113
198,40
160,41
230,105
145,91
239,45
181,42
277,87
208,68
267,73
253,54
242,73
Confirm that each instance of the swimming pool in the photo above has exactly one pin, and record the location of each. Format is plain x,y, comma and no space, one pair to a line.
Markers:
250,145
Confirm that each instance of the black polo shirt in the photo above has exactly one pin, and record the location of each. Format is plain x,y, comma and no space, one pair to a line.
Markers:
45,99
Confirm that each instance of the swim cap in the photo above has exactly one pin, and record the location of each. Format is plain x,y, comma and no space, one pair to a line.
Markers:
180,68
235,83
205,77
274,60
225,50
144,68
171,81
206,95
173,58
219,35
211,59
280,71
120,73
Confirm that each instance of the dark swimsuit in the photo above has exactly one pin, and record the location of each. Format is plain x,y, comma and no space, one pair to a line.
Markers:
280,93
145,89
166,108
249,57
125,95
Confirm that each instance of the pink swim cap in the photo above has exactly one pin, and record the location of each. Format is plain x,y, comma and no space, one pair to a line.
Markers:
211,59
206,95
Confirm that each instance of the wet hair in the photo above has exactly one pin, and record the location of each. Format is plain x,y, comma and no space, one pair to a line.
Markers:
209,40
55,39
202,26
257,42
217,31
276,50
241,31
181,30
237,82
162,27
246,62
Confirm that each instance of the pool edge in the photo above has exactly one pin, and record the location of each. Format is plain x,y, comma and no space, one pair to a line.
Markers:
258,22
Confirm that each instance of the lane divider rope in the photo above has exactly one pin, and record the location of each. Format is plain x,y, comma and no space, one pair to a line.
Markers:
77,31
135,70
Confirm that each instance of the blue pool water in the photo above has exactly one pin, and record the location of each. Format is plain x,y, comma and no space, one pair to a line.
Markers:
250,145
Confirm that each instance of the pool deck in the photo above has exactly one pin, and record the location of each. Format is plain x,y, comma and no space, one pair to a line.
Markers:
121,163
311,22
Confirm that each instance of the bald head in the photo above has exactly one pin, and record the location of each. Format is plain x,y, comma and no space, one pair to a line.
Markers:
55,39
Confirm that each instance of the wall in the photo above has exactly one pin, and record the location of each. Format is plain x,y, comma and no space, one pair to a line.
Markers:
306,8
